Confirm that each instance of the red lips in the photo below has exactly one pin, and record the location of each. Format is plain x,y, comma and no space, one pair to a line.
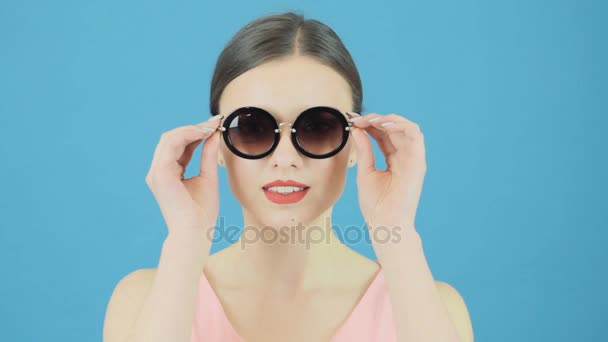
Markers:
288,182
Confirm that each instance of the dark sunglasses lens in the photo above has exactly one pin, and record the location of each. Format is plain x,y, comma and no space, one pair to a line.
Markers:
319,132
252,133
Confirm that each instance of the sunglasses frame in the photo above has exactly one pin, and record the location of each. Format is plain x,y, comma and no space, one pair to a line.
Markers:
347,125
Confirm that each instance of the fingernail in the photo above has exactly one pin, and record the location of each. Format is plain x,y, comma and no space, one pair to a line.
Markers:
353,114
374,119
215,117
388,123
355,119
207,129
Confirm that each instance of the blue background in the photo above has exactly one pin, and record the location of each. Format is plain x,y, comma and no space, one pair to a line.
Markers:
508,95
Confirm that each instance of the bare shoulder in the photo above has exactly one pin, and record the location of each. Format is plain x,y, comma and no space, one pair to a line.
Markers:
125,303
457,309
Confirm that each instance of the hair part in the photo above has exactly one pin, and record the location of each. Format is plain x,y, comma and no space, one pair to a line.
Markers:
282,35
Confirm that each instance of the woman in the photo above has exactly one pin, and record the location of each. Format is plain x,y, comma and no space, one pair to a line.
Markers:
284,101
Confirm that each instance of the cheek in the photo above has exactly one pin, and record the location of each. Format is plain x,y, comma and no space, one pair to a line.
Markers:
243,176
333,174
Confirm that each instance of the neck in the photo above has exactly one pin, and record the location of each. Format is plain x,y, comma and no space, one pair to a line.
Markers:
290,257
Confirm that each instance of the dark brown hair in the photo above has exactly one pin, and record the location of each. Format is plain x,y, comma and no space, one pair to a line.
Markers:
280,35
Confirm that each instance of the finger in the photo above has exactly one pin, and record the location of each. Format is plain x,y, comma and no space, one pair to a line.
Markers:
188,152
411,129
407,141
392,135
406,146
391,131
185,159
208,167
404,131
375,119
172,146
365,153
213,122
401,131
400,139
366,123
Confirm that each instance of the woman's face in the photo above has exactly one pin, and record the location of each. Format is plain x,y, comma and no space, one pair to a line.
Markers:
285,88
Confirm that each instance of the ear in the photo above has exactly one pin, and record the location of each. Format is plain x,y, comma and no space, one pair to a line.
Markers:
220,160
352,156
220,156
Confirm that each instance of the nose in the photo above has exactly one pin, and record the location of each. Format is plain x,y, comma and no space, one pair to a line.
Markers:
285,154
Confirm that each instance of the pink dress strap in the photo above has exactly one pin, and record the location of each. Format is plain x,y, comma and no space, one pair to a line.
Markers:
372,317
210,321
370,320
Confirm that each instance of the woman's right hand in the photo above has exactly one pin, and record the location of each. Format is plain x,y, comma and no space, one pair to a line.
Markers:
187,205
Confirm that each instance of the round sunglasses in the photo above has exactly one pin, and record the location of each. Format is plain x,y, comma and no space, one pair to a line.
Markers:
318,132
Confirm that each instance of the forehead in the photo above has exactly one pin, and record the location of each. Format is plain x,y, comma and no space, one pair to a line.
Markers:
286,87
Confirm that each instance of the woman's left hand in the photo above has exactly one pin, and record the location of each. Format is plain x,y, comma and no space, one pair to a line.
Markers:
389,197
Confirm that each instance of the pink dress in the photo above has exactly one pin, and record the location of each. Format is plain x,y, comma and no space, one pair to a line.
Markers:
370,320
